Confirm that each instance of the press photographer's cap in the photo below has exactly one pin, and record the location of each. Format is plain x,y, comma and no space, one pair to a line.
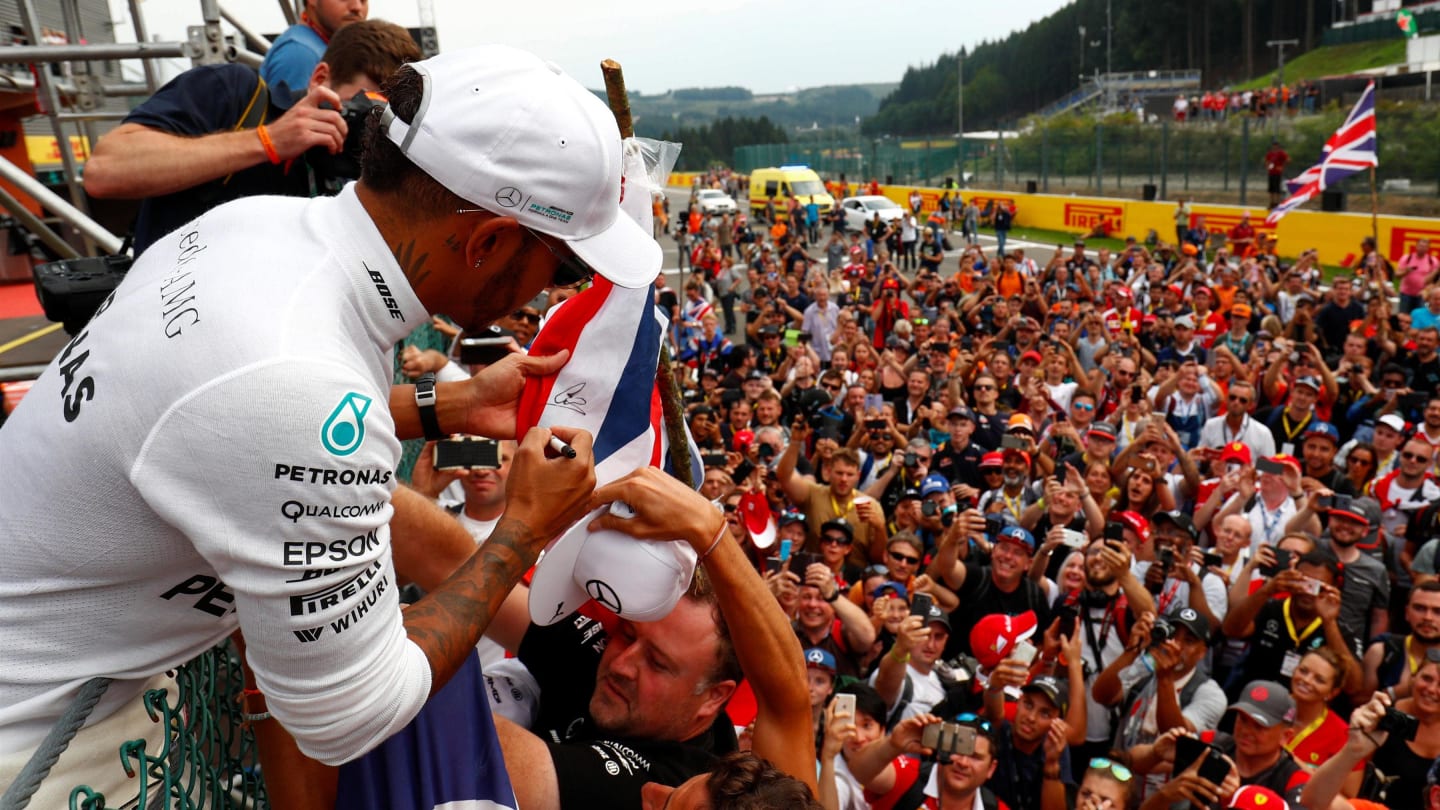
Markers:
603,566
514,135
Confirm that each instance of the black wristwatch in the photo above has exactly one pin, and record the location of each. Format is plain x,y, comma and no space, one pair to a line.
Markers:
425,402
834,597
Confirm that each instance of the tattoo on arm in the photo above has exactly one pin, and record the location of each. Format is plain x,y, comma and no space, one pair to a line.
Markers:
449,620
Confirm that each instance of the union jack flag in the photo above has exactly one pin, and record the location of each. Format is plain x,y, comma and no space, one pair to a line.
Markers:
1349,150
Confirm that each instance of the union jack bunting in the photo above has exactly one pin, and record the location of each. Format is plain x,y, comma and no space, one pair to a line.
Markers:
1349,150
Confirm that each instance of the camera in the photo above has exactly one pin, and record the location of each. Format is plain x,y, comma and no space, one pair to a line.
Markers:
1166,556
993,526
332,172
1399,723
912,460
1161,632
71,290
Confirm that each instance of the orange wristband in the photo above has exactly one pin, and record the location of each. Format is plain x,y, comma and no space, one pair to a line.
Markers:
269,146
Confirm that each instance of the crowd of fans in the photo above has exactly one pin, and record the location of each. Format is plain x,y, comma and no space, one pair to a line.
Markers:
1218,105
1096,514
1135,527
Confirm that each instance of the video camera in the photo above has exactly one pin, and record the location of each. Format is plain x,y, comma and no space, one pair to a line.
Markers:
70,290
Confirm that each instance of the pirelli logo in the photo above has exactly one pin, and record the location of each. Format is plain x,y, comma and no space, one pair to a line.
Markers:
1223,221
982,202
1402,240
1088,215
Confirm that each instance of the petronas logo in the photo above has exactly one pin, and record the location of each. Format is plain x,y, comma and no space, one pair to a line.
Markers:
344,431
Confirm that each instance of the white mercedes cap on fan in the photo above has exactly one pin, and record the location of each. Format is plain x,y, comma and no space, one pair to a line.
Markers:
514,135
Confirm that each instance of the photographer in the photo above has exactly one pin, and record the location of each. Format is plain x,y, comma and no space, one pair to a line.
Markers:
1168,688
892,778
196,143
1281,631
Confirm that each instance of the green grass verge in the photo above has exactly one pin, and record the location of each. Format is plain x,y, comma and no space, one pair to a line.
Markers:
1333,60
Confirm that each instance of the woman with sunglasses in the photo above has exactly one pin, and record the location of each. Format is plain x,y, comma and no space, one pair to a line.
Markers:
1107,785
1360,466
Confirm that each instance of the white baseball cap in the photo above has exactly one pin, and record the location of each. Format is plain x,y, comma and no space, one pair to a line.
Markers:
514,135
639,580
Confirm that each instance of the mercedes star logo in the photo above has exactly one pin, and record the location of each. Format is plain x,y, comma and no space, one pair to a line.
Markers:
508,196
604,594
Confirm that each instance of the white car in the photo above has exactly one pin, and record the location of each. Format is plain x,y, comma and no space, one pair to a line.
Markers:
861,210
715,201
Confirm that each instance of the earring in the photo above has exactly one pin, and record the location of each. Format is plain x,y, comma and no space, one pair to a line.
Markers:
479,262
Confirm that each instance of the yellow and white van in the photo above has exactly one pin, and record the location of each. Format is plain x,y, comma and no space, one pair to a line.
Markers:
780,183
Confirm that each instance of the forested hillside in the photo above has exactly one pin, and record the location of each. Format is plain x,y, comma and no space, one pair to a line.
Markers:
1013,77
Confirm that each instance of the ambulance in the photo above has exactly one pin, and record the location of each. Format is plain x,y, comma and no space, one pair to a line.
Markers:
780,183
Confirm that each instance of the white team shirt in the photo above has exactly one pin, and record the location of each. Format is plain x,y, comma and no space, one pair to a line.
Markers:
216,450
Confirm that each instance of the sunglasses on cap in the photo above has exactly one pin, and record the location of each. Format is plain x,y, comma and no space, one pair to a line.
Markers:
872,570
1120,772
974,720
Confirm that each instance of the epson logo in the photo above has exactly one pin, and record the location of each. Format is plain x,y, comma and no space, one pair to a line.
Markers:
307,552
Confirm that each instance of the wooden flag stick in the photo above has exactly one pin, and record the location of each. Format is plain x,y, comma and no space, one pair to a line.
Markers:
679,454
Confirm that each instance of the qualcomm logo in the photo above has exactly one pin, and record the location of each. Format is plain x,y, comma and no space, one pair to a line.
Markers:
344,431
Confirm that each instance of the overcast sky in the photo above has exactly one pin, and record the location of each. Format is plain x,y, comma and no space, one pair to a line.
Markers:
765,45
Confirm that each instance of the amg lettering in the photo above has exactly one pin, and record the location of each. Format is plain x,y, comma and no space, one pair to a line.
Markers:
306,552
328,477
386,297
343,623
309,634
173,309
333,595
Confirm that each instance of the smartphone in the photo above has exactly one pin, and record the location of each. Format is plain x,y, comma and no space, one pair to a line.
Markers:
1265,465
1310,586
874,401
1024,652
967,343
784,550
1210,558
1115,531
805,337
1187,750
742,471
1282,561
993,526
713,459
1166,558
845,703
1008,442
467,452
875,424
1325,502
803,560
920,604
1061,418
1213,769
948,738
1136,393
1074,539
484,351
